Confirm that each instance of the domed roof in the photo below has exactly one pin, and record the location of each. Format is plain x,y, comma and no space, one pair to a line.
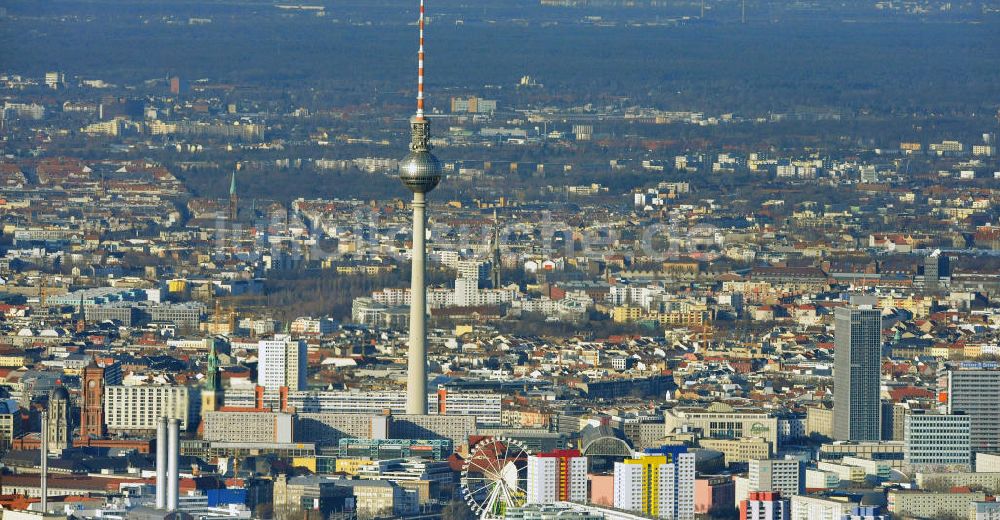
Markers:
59,393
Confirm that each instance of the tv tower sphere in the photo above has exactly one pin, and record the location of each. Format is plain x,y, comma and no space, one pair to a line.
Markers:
420,171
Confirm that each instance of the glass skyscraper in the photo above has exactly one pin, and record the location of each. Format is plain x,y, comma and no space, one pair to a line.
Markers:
857,411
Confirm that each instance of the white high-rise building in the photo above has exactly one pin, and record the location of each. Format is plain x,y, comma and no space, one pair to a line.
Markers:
629,486
473,270
782,476
138,409
282,362
974,389
558,476
937,440
466,292
661,485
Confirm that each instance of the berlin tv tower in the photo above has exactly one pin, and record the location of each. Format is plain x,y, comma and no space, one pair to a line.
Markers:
420,171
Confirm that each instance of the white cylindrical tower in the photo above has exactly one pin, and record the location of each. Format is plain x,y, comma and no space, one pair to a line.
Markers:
44,452
161,463
420,172
173,450
416,379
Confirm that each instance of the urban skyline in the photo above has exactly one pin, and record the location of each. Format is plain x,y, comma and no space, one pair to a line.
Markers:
682,260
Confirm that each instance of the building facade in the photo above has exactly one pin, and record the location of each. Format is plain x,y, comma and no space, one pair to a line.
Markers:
984,511
92,403
764,505
925,504
660,485
137,409
782,476
485,406
857,371
976,393
249,426
938,440
60,425
282,362
723,422
556,476
805,507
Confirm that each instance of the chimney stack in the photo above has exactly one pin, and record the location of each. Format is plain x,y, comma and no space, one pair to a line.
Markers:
173,477
161,463
45,462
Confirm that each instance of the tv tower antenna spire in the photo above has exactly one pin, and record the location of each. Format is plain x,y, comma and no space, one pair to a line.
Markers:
420,172
420,66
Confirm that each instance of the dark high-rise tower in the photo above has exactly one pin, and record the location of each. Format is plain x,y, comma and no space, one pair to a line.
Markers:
857,410
936,271
419,171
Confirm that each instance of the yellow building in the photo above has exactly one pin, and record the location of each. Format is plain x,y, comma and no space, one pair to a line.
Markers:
12,359
919,306
177,286
739,450
659,484
351,466
691,317
819,421
305,462
650,465
940,351
972,350
626,313
218,327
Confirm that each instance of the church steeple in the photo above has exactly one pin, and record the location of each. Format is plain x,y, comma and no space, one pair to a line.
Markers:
81,317
495,268
233,198
213,381
212,396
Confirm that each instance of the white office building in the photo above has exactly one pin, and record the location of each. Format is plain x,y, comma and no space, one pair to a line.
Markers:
937,440
137,409
974,389
484,405
282,362
558,476
782,476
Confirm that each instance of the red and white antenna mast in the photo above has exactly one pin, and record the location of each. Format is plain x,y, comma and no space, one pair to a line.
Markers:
420,67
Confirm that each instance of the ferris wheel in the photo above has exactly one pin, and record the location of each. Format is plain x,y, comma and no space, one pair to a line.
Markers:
495,476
